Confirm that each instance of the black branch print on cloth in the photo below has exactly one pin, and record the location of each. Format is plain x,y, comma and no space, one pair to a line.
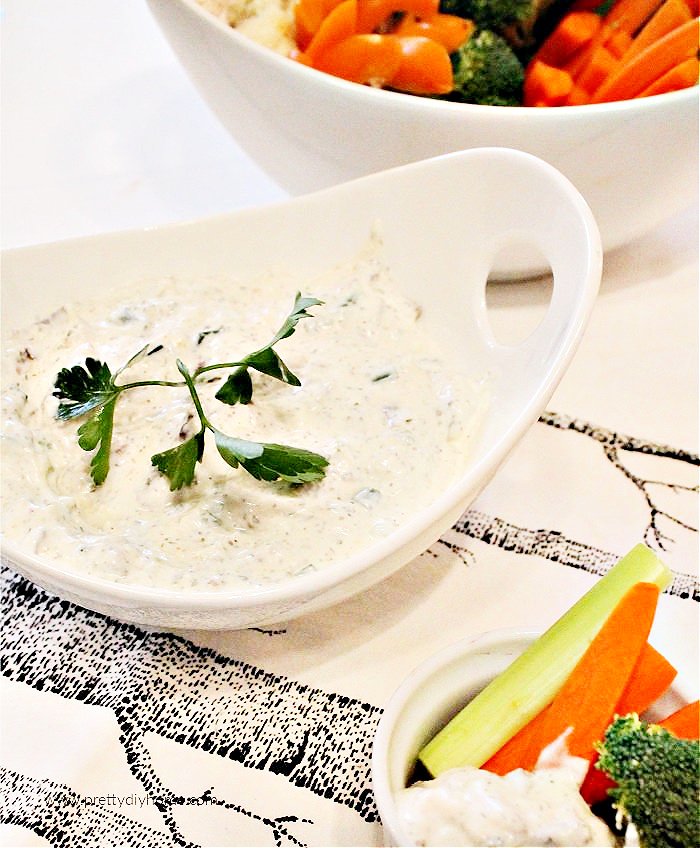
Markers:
614,447
164,684
65,820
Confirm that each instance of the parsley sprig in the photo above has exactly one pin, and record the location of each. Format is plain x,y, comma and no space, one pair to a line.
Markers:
91,390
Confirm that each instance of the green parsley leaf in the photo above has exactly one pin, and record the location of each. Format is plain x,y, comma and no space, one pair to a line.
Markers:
301,304
97,430
178,464
238,388
85,388
271,462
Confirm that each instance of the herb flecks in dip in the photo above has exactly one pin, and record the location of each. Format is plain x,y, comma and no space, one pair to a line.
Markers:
378,399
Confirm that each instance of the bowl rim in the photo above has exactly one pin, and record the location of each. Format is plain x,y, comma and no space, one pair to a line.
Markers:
297,588
409,102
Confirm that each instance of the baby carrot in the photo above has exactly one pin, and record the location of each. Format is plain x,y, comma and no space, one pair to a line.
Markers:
683,75
545,85
572,32
653,62
667,17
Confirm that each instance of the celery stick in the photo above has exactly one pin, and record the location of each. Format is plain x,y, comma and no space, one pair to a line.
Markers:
525,688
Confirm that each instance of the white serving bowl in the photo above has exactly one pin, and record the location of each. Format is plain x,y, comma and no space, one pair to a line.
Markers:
438,258
424,703
635,162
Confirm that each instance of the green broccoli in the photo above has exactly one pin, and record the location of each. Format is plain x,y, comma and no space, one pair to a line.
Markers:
657,777
491,14
486,71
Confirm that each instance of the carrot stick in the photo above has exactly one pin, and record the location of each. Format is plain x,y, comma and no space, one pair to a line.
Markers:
587,700
619,43
683,75
650,678
449,30
335,27
425,67
629,15
667,17
599,68
572,32
653,62
578,63
363,58
545,85
685,722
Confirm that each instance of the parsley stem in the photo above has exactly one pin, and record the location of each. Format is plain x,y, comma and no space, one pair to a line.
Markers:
182,368
205,368
140,383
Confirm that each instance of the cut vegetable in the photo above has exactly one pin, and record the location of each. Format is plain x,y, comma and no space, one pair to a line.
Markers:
685,722
654,61
587,700
530,683
362,58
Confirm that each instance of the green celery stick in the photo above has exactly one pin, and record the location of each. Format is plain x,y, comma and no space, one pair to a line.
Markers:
525,688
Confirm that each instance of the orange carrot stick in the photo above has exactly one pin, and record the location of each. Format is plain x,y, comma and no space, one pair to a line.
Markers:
629,15
545,85
667,17
600,66
572,32
650,678
335,27
363,58
425,67
587,700
653,62
684,75
685,722
449,30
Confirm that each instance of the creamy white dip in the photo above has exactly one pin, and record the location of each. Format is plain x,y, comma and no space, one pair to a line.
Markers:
379,399
470,806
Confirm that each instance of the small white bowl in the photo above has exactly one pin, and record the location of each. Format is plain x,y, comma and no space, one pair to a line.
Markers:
635,161
438,258
424,703
435,692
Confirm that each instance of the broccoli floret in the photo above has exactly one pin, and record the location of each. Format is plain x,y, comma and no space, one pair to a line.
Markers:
657,777
487,71
491,14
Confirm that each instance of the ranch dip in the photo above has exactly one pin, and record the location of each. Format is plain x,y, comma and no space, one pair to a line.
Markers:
468,806
379,400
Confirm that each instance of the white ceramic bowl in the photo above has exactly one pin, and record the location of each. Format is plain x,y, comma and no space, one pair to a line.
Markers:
424,703
430,696
439,259
635,162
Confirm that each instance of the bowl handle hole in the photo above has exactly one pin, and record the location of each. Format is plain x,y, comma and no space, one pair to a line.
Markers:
517,306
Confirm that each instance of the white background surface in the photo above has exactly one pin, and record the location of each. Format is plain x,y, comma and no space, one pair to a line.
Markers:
101,131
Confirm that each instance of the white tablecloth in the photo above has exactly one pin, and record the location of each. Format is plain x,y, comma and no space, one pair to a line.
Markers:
114,736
